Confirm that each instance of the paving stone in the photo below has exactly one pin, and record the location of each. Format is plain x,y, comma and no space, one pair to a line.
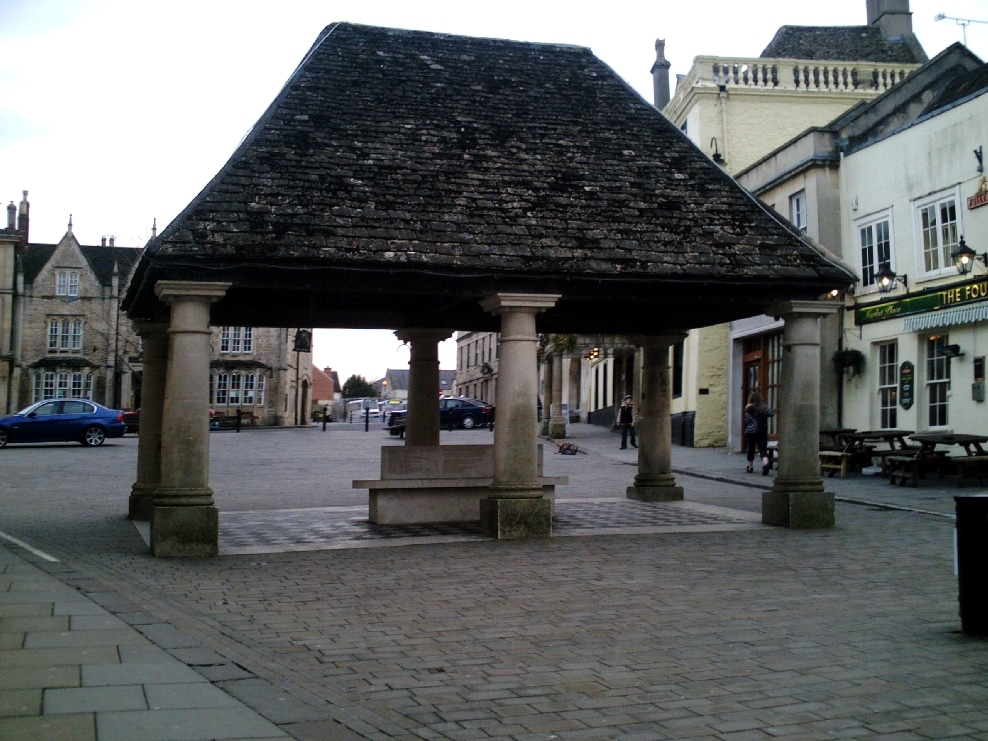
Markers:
79,727
20,702
176,725
94,699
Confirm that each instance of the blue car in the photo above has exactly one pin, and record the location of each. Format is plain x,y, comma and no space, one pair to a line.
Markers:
62,420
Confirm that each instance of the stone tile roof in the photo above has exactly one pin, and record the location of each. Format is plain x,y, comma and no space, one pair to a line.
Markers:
404,163
844,43
963,86
101,259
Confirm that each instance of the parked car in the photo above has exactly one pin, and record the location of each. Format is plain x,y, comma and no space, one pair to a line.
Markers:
132,420
62,420
453,412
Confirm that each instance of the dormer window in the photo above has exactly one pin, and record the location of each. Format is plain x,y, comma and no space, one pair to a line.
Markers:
67,283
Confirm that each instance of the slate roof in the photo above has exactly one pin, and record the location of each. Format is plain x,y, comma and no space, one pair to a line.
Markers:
100,258
844,43
400,176
963,86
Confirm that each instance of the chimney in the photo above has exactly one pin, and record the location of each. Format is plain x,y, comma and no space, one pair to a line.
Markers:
660,75
112,241
892,16
12,216
103,242
24,219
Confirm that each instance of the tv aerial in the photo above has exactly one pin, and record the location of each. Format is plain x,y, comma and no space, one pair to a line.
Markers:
963,22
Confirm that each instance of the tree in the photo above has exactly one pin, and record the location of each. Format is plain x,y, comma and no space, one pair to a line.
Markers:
357,387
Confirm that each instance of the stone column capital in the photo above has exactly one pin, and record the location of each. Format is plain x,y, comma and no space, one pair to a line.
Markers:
666,339
803,308
171,291
504,303
150,329
423,334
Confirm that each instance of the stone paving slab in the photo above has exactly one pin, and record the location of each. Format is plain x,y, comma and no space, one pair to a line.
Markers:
642,627
67,679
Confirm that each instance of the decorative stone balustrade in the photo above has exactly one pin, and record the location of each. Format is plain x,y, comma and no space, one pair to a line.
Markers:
793,74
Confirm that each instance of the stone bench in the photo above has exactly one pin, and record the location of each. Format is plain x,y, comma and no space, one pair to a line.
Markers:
437,483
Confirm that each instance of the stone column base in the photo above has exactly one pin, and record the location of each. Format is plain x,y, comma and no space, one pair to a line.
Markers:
190,532
512,519
557,431
798,509
141,502
656,493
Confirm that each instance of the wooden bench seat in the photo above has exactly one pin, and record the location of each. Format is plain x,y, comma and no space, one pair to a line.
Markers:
972,466
902,469
833,462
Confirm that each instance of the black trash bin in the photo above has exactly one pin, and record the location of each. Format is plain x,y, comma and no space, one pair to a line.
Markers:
972,562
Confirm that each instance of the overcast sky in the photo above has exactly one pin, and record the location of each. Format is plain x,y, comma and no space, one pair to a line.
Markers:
119,112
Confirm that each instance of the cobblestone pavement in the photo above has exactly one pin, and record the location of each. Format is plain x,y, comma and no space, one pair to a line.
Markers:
635,622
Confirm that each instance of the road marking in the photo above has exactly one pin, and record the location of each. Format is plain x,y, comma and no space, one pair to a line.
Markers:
26,547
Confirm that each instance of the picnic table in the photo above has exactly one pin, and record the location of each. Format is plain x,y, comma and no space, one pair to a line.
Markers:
910,467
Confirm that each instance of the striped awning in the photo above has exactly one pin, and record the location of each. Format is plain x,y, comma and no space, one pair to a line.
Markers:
946,318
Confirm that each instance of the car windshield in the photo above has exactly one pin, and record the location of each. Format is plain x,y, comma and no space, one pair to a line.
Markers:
25,410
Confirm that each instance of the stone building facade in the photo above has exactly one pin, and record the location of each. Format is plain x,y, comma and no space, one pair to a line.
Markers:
62,334
805,77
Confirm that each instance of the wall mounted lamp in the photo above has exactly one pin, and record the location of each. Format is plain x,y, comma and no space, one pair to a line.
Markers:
887,280
951,351
964,258
717,156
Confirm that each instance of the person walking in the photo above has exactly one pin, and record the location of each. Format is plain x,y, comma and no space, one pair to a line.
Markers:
756,416
626,420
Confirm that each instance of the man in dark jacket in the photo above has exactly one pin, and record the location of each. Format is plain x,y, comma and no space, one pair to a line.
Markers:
626,419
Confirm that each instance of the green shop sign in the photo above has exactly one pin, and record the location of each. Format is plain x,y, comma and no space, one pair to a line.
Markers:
906,374
964,293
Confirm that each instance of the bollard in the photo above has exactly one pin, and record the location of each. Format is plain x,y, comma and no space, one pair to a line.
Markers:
238,420
972,562
366,420
325,414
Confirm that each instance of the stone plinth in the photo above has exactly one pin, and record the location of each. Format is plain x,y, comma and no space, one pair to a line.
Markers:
185,532
808,509
512,519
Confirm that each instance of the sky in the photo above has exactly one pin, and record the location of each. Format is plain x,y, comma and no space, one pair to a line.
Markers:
118,112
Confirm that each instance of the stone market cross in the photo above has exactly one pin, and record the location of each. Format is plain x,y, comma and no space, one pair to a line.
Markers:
428,183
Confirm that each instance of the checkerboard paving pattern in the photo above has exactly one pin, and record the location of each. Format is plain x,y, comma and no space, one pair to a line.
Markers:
326,528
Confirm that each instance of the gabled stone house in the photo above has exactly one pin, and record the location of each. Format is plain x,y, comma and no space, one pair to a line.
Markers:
62,334
63,331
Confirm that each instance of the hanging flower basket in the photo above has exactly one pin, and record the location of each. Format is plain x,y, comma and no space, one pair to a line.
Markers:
849,362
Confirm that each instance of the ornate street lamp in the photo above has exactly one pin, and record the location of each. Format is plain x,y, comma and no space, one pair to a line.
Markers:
964,258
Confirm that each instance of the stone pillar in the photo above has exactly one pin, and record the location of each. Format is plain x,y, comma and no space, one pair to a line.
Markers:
422,427
184,521
654,481
797,498
545,426
557,424
155,337
516,507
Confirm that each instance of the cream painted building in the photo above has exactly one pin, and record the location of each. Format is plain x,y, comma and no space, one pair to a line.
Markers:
738,110
912,196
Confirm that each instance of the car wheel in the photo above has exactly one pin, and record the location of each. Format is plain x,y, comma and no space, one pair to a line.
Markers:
93,436
468,423
3,437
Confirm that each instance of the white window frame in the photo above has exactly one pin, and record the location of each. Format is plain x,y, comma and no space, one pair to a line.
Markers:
888,385
67,283
237,340
797,210
932,249
881,253
937,383
65,335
